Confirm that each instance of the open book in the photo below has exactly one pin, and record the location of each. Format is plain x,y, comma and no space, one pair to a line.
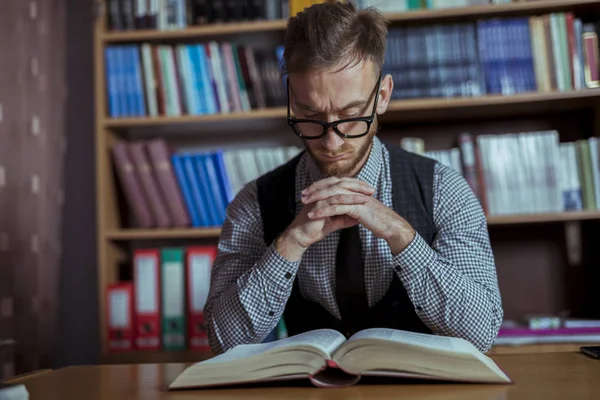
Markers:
327,359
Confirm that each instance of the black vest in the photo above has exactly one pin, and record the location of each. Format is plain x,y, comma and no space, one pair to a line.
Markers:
412,188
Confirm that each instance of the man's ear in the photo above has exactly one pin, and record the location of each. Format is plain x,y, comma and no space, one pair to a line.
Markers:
385,93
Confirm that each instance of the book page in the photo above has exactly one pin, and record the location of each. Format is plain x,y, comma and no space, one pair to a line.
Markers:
417,339
326,340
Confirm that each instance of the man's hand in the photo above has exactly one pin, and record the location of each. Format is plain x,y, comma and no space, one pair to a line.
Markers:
329,199
306,230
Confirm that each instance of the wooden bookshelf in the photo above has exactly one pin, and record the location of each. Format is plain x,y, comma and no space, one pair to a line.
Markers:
427,108
141,234
491,10
543,218
437,120
203,233
268,113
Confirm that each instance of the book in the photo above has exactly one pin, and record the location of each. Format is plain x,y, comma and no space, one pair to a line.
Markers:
13,391
327,359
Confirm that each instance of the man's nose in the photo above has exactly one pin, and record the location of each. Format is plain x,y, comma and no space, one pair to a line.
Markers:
331,141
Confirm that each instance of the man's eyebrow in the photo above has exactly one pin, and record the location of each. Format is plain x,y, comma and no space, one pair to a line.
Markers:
352,104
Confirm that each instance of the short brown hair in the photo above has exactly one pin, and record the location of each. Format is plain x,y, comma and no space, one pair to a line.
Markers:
326,35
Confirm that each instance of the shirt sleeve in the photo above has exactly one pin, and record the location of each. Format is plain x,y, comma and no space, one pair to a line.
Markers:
453,283
250,282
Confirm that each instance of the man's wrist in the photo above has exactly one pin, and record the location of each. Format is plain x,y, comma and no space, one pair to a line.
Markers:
400,237
289,247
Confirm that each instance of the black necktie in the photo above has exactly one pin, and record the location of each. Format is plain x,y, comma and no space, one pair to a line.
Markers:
350,283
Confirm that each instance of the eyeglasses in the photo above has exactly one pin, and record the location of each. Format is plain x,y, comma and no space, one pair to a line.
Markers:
350,128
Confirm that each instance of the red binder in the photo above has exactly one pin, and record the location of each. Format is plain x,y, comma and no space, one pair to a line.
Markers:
146,265
199,261
119,317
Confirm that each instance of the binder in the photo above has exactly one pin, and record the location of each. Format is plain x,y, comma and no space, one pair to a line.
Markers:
199,261
147,295
119,317
173,299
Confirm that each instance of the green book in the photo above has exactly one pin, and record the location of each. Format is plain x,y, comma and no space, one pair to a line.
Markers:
173,294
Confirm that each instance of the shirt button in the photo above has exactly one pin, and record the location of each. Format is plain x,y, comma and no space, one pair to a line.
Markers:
271,313
288,275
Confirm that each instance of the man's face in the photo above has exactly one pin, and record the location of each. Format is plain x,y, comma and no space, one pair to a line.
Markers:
329,96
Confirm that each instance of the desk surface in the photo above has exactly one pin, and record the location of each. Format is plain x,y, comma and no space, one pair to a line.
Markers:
537,376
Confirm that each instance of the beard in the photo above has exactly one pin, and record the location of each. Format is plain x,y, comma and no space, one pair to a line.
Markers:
345,168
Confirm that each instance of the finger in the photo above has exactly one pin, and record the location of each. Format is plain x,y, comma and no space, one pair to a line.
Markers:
349,198
338,188
322,184
331,211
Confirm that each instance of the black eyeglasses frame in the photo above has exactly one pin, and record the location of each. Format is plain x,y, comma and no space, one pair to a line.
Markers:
334,124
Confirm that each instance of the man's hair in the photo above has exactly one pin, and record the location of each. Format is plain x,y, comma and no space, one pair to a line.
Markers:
334,34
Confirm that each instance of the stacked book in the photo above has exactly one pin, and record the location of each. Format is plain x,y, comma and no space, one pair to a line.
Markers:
165,188
524,172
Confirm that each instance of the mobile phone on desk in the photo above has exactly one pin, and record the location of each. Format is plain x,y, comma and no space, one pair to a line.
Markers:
592,351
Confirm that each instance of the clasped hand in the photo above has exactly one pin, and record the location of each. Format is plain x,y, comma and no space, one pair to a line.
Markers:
337,203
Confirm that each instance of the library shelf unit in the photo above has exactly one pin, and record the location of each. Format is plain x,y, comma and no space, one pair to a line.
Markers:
427,108
462,13
213,233
530,249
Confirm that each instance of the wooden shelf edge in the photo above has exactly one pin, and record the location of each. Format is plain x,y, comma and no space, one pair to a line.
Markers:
175,233
487,10
197,233
543,218
409,105
535,348
449,103
275,112
195,31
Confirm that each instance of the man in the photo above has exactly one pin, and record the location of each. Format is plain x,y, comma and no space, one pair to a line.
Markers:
351,234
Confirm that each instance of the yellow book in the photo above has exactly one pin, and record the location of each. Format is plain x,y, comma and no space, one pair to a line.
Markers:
298,5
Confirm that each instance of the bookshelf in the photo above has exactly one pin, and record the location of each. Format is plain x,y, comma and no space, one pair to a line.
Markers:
426,108
574,113
461,13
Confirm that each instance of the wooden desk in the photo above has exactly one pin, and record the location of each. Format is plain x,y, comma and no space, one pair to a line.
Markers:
545,376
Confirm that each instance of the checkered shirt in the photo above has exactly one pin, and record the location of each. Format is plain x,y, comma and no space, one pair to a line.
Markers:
452,283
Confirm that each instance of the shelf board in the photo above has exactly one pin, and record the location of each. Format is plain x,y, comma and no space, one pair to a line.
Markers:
433,105
543,218
195,31
156,357
449,103
276,112
487,10
536,348
198,233
175,233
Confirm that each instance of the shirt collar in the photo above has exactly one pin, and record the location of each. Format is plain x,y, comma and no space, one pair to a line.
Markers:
369,172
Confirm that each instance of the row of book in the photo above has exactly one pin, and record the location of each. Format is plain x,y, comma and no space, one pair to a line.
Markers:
510,173
128,15
526,172
124,15
551,52
164,188
510,55
192,79
161,304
